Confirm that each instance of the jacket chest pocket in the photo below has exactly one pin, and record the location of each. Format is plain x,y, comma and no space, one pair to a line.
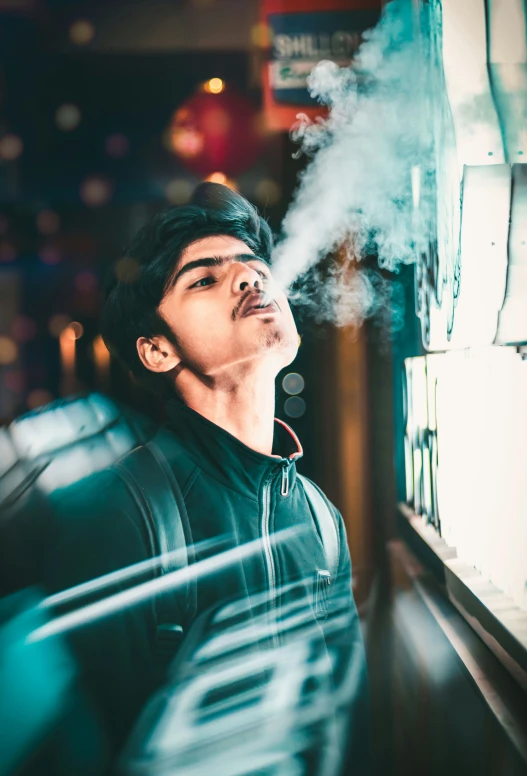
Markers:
321,589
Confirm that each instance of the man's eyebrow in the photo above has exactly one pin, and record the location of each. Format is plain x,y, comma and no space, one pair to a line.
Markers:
213,261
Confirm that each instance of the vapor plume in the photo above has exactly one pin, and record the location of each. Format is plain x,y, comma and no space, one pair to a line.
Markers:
363,192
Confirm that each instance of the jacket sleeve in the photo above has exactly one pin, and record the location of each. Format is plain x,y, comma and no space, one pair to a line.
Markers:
98,531
346,646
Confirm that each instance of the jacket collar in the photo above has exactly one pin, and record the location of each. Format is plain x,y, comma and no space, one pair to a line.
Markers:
224,457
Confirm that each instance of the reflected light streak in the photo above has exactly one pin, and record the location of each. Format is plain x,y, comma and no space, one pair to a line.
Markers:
126,574
293,616
238,704
245,605
147,590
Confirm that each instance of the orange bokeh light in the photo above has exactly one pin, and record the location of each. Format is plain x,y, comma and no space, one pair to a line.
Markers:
214,86
220,177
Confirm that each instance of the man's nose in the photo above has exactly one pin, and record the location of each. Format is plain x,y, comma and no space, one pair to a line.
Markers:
245,277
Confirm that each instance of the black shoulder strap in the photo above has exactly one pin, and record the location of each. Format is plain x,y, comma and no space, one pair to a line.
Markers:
156,492
326,524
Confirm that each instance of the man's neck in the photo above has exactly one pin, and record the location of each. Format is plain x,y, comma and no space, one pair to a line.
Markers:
241,402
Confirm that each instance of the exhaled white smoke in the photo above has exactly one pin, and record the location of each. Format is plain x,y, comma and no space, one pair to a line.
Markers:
357,187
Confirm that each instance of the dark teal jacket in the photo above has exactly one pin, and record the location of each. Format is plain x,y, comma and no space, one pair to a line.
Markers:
230,491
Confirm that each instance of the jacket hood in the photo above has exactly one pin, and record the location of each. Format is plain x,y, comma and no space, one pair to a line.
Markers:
227,459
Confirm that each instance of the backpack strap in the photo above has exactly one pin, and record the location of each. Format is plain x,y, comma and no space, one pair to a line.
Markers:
326,524
151,482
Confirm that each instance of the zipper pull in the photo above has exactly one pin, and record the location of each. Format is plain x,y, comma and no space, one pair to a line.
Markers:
323,581
285,479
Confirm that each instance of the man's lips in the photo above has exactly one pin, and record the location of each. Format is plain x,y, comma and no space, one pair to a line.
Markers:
256,305
268,309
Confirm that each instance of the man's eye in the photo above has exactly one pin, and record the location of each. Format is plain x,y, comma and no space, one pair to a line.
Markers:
203,282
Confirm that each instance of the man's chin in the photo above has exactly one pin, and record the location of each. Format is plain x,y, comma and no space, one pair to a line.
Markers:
290,354
274,345
281,342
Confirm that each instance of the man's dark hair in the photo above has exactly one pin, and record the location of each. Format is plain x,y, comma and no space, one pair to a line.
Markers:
140,280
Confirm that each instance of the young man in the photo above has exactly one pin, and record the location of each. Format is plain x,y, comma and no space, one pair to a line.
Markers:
195,313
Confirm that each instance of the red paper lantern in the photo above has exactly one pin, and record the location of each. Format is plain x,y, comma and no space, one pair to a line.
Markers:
216,132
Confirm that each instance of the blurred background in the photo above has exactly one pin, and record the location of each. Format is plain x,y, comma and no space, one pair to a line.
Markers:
111,111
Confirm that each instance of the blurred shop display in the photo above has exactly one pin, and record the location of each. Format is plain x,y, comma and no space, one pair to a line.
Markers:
472,283
466,450
299,34
465,422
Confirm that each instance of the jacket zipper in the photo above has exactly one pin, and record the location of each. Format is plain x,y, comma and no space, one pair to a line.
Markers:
271,572
284,490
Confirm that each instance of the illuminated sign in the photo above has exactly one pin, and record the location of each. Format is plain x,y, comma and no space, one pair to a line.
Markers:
466,451
300,40
301,33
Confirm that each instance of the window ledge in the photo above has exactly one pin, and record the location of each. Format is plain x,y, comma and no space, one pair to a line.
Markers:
494,617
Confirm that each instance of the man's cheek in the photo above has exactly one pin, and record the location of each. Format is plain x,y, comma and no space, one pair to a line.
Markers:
286,309
282,301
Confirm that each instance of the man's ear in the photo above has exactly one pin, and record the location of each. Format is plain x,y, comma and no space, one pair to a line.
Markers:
157,354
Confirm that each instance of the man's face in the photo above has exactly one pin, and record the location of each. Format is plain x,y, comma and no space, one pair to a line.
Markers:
225,310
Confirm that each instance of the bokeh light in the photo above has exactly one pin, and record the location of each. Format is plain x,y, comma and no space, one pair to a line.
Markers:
178,191
67,117
15,381
267,192
11,147
217,177
116,145
86,282
294,407
38,398
57,323
7,252
49,254
48,222
81,32
186,141
293,383
23,329
8,351
220,177
76,329
96,191
214,86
